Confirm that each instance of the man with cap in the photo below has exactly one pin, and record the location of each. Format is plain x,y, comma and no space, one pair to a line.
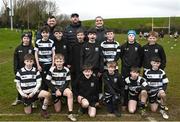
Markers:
71,30
131,57
24,48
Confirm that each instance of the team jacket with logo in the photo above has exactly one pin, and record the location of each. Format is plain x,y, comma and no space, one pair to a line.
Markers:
131,54
19,54
91,54
115,82
150,51
61,46
87,88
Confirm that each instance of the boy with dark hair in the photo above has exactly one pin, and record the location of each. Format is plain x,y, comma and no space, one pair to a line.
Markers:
75,57
58,79
44,54
152,49
28,82
110,49
113,88
131,57
137,91
157,81
91,54
60,44
87,91
24,48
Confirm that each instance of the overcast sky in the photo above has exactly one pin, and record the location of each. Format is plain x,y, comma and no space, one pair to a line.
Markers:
89,9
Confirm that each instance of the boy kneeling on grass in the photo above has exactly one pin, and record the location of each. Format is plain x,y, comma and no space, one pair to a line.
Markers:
137,91
87,91
58,79
113,88
28,82
157,81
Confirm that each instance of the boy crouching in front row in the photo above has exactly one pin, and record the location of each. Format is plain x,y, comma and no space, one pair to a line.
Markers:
137,91
28,82
58,79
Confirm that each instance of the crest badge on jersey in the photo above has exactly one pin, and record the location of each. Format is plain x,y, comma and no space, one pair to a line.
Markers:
96,49
64,46
156,50
87,48
115,80
92,84
29,51
136,49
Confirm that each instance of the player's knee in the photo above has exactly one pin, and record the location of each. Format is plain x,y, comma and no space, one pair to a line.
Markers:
144,93
58,109
92,115
47,94
69,94
131,110
28,111
85,104
162,95
153,109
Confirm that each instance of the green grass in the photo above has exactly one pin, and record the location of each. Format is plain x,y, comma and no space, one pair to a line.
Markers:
125,24
10,39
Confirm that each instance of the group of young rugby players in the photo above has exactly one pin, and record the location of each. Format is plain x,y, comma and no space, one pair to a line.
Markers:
86,71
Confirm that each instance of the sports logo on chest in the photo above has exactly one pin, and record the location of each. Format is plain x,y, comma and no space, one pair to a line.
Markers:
64,46
136,49
126,49
156,50
87,48
20,51
29,51
92,84
145,50
115,80
96,49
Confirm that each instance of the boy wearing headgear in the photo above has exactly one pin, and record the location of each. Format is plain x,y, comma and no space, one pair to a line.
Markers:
130,56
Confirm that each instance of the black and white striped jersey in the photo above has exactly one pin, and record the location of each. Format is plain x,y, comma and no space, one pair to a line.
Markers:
111,51
28,79
156,79
135,86
58,78
45,49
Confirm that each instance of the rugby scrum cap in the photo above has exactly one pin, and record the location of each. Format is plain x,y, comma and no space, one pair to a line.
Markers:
132,32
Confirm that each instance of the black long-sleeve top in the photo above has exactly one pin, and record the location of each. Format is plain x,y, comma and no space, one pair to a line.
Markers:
87,88
91,54
131,54
19,54
150,51
114,81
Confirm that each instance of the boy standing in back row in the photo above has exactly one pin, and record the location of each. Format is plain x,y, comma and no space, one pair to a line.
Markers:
44,54
152,49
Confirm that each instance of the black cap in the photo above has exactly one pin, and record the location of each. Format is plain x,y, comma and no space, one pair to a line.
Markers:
74,14
25,35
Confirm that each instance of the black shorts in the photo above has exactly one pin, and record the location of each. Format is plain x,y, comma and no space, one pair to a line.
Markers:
28,102
153,96
134,97
55,98
92,101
